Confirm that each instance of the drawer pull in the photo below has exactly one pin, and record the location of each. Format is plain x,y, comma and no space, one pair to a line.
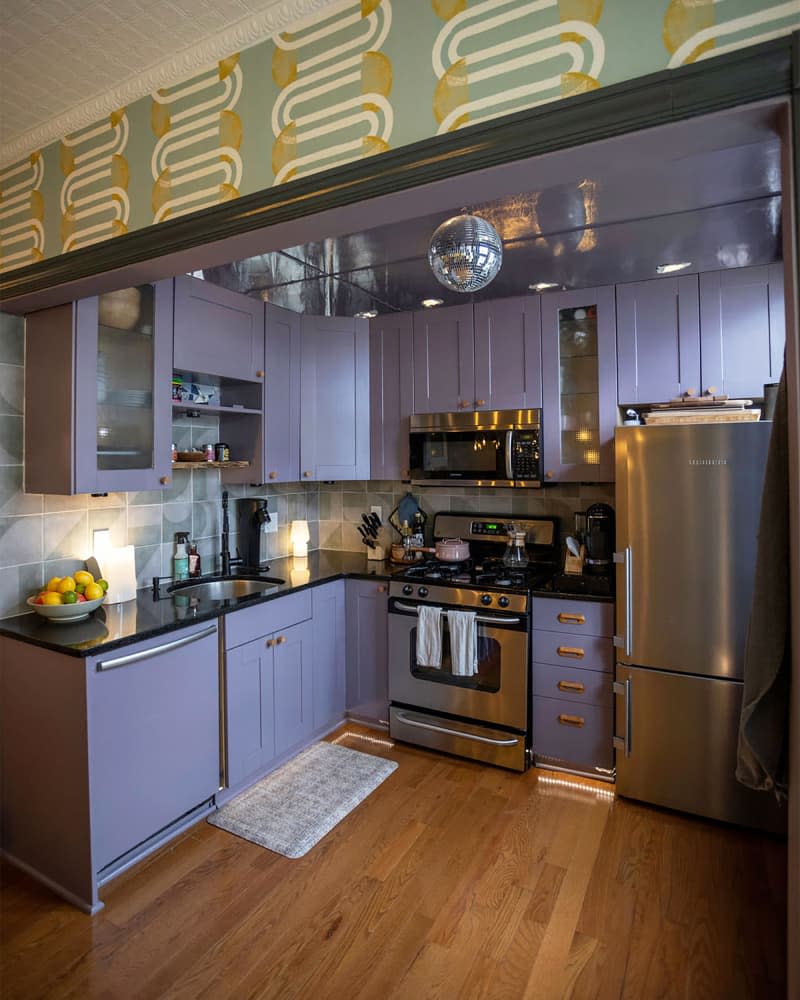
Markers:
270,643
571,720
566,617
574,652
280,640
571,686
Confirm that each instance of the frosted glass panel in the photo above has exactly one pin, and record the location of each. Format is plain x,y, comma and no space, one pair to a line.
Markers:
125,366
578,386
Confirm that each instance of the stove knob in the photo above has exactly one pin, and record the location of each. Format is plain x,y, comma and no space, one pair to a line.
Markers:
503,602
408,589
422,592
486,598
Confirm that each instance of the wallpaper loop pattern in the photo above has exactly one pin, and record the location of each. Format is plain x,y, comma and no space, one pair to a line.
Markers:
22,213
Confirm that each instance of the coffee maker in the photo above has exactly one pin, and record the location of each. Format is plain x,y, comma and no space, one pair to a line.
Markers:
252,520
599,540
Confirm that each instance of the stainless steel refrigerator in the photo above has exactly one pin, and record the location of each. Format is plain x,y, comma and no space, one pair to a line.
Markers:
688,501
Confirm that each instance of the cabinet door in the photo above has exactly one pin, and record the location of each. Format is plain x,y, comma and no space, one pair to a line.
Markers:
508,354
250,709
742,329
334,405
390,372
282,395
217,332
658,339
444,362
329,654
294,709
579,376
367,649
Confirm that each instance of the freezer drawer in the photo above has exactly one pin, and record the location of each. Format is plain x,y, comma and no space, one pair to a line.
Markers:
587,652
680,733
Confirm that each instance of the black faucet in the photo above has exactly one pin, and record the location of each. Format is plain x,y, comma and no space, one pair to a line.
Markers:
225,554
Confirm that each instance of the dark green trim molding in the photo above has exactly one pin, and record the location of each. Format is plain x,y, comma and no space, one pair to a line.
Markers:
759,72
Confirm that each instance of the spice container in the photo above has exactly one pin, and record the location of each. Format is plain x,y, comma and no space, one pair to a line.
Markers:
222,452
209,450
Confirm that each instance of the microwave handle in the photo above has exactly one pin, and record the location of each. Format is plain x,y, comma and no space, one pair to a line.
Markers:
509,463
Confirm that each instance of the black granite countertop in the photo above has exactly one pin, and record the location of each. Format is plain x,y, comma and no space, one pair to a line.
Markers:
116,625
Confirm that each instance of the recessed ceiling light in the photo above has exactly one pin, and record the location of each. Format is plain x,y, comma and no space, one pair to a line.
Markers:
430,303
366,314
542,286
669,268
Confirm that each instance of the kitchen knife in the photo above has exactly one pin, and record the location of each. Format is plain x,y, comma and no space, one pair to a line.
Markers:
376,522
369,526
363,532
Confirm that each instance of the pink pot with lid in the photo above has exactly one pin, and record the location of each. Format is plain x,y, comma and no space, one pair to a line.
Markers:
452,550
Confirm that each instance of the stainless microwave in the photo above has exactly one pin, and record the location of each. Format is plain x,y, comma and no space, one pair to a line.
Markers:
485,448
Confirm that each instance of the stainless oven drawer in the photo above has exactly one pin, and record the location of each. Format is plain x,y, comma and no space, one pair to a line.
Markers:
584,687
578,652
466,739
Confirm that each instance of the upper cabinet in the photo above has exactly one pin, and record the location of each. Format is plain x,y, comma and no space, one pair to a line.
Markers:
334,398
658,339
579,375
742,330
482,358
390,391
106,363
217,332
281,395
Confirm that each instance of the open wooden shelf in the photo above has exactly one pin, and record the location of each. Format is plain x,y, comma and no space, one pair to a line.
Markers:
210,465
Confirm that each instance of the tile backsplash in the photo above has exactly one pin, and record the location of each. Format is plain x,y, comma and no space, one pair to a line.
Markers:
43,536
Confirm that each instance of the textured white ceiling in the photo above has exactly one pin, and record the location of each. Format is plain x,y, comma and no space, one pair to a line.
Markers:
65,63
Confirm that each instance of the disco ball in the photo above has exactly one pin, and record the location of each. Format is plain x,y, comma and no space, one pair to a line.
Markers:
465,253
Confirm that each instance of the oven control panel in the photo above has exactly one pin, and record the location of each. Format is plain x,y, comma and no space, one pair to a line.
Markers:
459,597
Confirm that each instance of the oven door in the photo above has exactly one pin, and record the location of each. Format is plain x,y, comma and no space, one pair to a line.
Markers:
497,694
470,457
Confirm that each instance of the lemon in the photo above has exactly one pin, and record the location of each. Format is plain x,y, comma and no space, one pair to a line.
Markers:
51,597
83,577
93,591
67,585
52,583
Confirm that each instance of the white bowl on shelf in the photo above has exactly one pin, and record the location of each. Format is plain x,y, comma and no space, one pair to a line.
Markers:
65,613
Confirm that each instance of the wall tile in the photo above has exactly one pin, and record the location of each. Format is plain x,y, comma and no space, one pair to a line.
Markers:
148,564
10,440
180,488
330,534
20,540
206,519
62,567
66,536
12,339
330,506
206,484
176,517
113,518
11,389
53,502
12,500
146,497
17,583
144,525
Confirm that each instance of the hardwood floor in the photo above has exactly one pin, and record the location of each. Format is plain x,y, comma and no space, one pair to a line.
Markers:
451,880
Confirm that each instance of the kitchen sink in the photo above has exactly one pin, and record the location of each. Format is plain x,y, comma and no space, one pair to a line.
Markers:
227,588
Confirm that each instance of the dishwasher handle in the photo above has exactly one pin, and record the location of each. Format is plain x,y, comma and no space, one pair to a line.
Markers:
145,654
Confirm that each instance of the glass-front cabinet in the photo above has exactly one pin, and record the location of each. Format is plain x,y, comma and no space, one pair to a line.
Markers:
579,369
103,365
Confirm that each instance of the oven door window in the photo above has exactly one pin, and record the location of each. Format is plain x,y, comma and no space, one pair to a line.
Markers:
459,454
489,663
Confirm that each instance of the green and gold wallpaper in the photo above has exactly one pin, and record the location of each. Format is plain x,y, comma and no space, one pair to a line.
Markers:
356,79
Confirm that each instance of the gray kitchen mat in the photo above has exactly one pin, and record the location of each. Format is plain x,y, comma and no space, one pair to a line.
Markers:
293,808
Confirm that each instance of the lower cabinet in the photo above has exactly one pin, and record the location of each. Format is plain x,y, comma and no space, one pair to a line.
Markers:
367,604
572,704
328,670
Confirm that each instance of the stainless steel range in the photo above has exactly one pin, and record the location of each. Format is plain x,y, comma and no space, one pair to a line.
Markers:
474,703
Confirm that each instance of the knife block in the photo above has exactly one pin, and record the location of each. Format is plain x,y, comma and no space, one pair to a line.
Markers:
573,565
378,553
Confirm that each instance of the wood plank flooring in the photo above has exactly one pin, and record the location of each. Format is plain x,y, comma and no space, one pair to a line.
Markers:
452,880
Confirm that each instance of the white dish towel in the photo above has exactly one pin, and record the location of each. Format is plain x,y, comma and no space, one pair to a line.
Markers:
429,636
463,642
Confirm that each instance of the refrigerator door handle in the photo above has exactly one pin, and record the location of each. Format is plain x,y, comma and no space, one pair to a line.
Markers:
625,642
624,688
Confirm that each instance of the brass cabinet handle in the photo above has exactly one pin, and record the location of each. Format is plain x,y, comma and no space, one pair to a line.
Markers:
549,474
463,404
164,480
260,373
573,651
270,643
382,589
281,640
572,720
307,475
711,390
480,402
571,686
273,475
566,616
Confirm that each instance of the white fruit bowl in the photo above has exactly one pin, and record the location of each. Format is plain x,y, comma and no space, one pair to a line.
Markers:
65,612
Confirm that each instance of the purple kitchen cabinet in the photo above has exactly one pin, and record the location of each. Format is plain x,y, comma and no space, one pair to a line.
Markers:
329,654
742,329
294,690
390,377
250,700
334,398
367,650
579,381
282,395
217,331
508,353
444,362
104,365
658,339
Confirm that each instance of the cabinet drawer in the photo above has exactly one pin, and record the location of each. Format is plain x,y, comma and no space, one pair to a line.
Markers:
581,652
582,687
572,734
271,616
566,615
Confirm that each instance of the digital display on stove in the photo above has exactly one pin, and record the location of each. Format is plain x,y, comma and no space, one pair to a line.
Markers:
488,528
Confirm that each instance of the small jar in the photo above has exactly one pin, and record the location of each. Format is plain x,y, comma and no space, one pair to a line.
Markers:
222,452
174,452
209,449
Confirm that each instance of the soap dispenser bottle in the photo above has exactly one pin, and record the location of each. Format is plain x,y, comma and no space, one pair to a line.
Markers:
180,561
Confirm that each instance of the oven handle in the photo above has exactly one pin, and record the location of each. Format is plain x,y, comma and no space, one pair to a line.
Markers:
481,619
511,742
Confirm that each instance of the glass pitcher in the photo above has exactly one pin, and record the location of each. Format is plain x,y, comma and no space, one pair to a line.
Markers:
516,555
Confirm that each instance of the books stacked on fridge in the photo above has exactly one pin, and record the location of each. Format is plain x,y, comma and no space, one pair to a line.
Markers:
703,410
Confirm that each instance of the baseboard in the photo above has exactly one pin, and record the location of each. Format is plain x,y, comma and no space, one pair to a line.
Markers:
57,888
